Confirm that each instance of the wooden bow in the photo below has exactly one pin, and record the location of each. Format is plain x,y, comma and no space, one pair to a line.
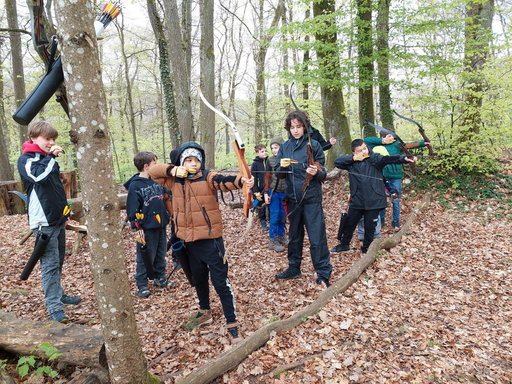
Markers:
239,148
420,129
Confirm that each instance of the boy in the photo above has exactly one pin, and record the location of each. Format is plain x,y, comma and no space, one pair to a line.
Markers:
304,206
145,207
393,173
274,196
40,174
257,171
367,192
198,223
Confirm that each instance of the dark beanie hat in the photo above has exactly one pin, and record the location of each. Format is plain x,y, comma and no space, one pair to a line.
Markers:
277,140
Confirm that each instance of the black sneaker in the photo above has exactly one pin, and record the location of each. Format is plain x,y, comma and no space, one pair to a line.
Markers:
320,281
59,316
340,248
161,283
288,274
70,300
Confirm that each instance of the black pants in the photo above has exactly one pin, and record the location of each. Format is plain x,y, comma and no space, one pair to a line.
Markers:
206,259
311,216
370,223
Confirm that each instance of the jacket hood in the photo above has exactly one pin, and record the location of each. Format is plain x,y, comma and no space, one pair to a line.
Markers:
130,180
191,144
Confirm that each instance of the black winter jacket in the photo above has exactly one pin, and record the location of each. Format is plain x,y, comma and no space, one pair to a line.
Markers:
296,150
366,181
259,165
147,197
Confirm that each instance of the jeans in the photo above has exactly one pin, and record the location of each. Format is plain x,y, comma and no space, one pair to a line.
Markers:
276,208
156,245
396,184
51,266
360,229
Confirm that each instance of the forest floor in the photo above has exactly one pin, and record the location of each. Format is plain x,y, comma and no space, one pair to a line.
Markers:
435,308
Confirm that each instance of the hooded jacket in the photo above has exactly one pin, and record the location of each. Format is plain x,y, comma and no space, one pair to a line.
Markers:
259,166
40,174
366,180
295,174
194,199
270,178
147,197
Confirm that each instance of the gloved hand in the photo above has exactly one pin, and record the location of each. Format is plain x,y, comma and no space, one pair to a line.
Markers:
258,196
56,150
359,157
285,163
180,172
388,139
140,237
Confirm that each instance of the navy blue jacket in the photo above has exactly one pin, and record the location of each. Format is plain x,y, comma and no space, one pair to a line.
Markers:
259,165
46,196
296,150
147,197
366,180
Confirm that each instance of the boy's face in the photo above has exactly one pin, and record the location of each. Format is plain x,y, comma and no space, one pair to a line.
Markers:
296,128
44,143
361,150
275,148
153,162
262,153
192,162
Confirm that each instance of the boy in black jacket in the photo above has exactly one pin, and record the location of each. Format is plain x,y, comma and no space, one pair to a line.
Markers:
304,199
145,207
40,173
367,192
258,172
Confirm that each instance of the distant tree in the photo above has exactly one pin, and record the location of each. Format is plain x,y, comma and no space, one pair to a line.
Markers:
386,112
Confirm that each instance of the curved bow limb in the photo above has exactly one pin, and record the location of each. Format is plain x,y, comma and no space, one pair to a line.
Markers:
420,129
239,149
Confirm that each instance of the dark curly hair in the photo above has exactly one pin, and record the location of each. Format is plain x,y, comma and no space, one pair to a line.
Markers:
296,115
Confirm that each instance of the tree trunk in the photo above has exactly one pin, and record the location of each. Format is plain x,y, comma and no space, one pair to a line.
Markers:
478,36
333,104
207,81
179,70
6,172
234,356
13,204
386,113
165,74
365,65
90,134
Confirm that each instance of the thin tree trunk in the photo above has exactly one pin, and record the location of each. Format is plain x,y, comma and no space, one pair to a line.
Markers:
207,80
6,171
90,134
365,65
17,64
386,113
179,70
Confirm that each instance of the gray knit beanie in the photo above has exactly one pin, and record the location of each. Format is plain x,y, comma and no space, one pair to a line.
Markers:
277,140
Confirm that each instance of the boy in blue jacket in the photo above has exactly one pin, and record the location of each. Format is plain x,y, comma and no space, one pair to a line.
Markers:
40,173
367,192
145,207
304,203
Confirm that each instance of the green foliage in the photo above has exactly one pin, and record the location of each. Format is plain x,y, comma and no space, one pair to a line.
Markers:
3,363
460,160
27,362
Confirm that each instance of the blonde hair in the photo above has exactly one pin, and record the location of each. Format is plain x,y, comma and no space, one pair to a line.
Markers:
42,128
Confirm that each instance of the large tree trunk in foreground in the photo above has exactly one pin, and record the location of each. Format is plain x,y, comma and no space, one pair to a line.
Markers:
90,134
234,356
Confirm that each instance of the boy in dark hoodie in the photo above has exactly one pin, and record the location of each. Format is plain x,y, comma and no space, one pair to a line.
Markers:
145,207
367,192
258,171
39,171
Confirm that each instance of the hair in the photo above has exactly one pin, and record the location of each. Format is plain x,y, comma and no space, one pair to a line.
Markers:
42,128
383,134
143,158
296,115
259,147
356,143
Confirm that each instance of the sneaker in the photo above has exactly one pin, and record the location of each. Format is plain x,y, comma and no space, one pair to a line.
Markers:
70,300
59,316
198,319
288,274
143,291
161,283
340,248
282,240
275,246
234,336
326,282
359,237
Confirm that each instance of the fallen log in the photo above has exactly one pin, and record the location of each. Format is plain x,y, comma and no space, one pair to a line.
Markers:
80,345
234,356
5,378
